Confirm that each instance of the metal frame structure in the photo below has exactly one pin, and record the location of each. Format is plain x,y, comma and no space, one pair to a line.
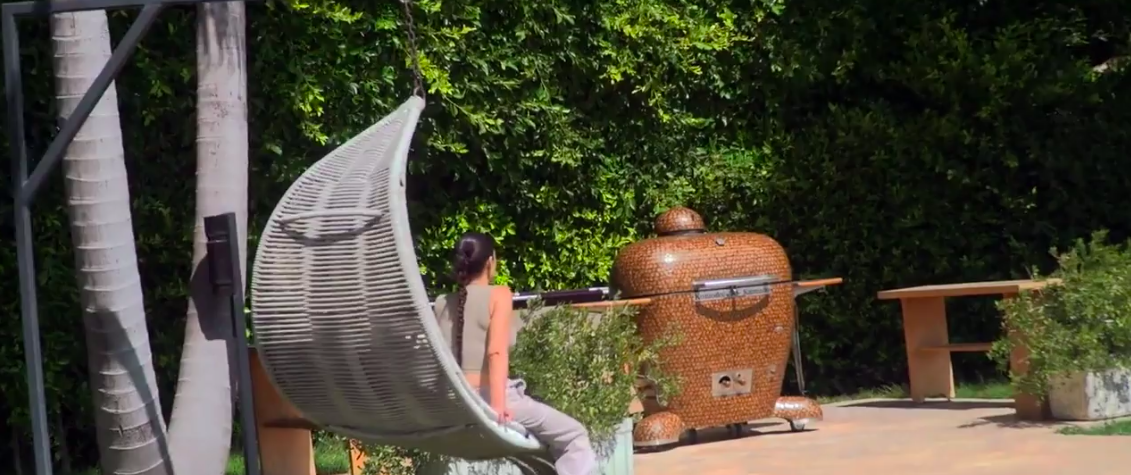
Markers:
26,185
227,281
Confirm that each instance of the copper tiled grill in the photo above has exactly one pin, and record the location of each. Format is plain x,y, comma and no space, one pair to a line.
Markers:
728,298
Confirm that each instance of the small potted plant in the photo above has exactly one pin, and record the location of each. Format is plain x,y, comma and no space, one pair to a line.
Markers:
1077,333
583,362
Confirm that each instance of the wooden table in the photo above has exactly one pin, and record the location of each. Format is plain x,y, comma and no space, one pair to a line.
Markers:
929,347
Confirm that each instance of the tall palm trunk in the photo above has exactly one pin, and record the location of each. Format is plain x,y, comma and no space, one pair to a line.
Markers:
201,425
127,410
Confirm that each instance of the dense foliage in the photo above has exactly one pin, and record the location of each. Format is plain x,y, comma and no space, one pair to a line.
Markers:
889,143
1082,324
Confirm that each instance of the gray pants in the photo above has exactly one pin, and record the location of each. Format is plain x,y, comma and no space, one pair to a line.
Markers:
566,438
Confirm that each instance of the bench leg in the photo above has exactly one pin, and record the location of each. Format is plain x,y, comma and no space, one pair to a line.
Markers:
282,451
357,457
286,451
924,324
1029,407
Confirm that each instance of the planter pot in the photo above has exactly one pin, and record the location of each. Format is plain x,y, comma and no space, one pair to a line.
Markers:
614,456
1090,396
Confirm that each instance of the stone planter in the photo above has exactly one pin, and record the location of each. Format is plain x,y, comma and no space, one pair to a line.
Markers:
1090,396
615,457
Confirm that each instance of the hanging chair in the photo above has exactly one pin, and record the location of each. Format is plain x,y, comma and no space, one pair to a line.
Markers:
342,321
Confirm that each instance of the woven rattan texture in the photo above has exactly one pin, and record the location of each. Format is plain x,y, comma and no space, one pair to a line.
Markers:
341,318
334,321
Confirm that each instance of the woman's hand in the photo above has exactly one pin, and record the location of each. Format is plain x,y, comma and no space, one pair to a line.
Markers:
500,408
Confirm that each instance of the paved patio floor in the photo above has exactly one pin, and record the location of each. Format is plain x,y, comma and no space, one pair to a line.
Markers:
899,437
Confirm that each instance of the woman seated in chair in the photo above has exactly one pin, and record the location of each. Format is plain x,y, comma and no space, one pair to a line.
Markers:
479,324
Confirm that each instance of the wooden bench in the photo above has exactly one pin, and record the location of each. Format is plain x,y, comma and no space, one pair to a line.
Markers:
928,343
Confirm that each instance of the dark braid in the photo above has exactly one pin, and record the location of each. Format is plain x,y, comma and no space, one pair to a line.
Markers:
457,326
472,253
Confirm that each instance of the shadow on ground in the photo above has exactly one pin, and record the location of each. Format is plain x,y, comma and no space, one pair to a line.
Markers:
1010,421
945,405
721,434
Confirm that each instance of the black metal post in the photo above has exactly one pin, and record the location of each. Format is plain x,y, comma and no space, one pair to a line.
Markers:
47,7
224,272
25,187
29,308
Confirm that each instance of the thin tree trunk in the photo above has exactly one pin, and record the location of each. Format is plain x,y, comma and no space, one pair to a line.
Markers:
201,424
128,418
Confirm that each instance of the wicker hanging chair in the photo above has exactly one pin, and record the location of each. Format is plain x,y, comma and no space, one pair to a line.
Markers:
342,321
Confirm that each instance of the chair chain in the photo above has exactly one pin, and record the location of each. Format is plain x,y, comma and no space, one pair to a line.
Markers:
410,27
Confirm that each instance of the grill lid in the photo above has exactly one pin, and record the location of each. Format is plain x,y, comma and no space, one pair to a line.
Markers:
685,254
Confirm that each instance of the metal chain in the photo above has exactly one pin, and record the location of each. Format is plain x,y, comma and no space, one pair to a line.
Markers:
418,76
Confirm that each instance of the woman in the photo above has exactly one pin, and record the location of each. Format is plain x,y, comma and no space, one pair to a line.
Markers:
479,325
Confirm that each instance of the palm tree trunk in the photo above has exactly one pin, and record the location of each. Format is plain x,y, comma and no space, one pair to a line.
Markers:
128,419
201,424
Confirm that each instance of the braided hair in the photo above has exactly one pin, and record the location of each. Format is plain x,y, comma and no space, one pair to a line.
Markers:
472,252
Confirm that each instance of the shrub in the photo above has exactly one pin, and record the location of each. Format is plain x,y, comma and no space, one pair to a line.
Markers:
389,460
580,362
1083,324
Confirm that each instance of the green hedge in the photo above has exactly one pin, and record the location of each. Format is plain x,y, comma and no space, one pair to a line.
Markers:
891,144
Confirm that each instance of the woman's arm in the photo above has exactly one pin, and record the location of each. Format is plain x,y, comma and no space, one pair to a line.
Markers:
498,346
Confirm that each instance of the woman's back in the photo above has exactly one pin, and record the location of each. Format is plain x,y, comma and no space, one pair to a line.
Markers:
476,320
480,333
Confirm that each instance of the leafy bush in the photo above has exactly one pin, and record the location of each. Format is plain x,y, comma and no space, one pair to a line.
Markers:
576,360
389,460
1083,324
586,363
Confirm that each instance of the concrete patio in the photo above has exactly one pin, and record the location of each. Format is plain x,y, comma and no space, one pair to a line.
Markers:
894,436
